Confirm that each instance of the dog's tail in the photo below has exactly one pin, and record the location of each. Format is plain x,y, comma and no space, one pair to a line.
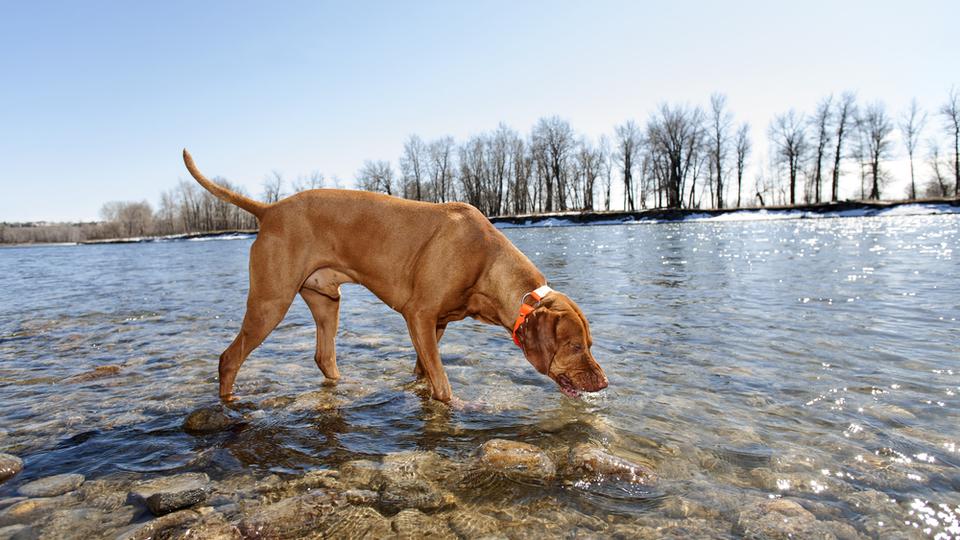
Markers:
254,207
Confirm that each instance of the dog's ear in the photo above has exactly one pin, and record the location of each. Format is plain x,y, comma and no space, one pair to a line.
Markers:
540,339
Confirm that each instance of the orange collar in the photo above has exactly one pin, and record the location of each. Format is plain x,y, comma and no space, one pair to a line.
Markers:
526,309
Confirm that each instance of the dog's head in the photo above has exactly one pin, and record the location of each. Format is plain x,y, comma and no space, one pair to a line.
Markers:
556,340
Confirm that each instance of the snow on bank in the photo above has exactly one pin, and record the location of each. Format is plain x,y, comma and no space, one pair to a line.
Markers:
915,209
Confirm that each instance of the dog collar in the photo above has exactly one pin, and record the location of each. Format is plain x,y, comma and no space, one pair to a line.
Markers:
526,309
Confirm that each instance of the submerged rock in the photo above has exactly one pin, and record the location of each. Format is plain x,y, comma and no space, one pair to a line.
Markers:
469,524
15,532
212,526
357,522
318,400
153,528
416,524
52,486
166,494
97,373
594,462
517,460
290,518
412,480
9,467
784,518
210,420
29,510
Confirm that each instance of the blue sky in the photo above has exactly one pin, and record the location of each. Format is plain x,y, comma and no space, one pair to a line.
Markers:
98,98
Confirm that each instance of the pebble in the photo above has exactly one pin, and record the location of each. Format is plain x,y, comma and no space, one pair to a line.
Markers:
517,460
210,420
9,467
52,486
167,494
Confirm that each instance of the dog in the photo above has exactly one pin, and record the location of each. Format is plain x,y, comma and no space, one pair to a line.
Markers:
433,263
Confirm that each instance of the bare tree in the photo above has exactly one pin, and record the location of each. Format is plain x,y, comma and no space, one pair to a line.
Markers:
821,124
628,141
376,176
314,180
951,114
876,126
441,168
590,166
789,139
129,219
743,150
412,167
937,186
675,135
720,122
912,123
846,111
606,169
554,138
272,187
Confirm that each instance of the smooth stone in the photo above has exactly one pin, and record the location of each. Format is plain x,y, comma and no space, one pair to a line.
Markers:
592,461
517,460
52,486
274,489
357,522
210,420
786,519
97,373
9,501
415,524
318,400
169,493
9,467
290,518
467,524
212,526
28,510
16,532
278,402
151,529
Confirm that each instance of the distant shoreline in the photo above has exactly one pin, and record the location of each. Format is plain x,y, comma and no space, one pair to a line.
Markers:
842,209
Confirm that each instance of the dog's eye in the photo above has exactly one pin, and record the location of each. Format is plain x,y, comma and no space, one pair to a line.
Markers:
576,347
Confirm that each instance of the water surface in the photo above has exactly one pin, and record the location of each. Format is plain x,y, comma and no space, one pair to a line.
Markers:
810,359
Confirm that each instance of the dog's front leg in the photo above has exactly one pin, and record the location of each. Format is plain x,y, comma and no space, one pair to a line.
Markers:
423,333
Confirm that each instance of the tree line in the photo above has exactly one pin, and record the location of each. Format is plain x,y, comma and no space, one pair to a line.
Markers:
682,156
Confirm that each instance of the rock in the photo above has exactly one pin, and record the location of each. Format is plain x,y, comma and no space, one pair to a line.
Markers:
74,523
169,493
361,497
276,490
411,480
360,473
357,522
151,529
30,509
9,467
103,494
784,518
290,518
210,420
318,400
212,526
469,524
517,460
10,501
278,402
52,486
97,373
16,532
593,462
416,524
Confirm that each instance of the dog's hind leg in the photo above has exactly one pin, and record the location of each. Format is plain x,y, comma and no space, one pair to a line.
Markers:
326,313
271,292
419,370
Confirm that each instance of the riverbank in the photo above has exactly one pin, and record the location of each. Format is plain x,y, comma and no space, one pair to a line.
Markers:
842,209
657,215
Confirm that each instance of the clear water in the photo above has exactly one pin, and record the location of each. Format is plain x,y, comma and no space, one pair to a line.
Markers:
810,359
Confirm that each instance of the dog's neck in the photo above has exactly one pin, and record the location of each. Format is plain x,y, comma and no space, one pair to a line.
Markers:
514,281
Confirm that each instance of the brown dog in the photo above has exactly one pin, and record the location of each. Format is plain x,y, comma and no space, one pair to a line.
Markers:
433,263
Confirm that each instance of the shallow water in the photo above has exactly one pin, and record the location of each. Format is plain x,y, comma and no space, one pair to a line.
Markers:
815,360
